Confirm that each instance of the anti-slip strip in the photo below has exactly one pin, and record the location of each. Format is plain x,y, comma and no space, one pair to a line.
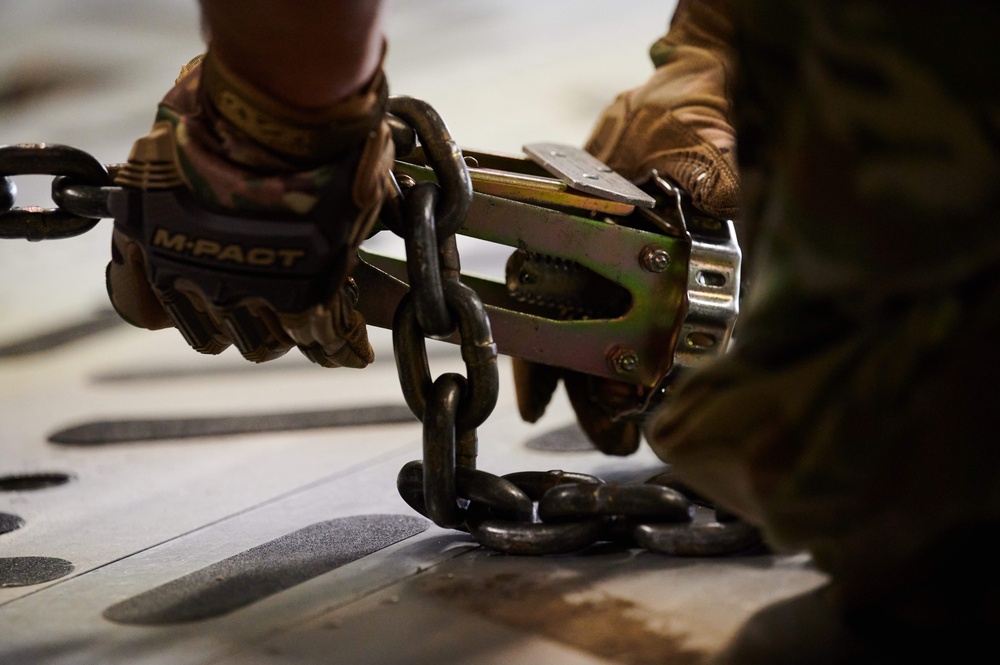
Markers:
265,570
52,339
28,570
124,431
10,523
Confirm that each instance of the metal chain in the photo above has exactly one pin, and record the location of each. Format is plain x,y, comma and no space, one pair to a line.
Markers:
534,513
537,513
80,191
452,406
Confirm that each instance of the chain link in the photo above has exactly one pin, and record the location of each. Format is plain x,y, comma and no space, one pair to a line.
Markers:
423,263
80,190
556,512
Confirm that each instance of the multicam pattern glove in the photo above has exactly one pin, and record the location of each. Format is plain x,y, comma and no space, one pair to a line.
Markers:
271,204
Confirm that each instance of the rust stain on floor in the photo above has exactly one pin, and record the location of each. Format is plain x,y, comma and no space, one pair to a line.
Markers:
600,624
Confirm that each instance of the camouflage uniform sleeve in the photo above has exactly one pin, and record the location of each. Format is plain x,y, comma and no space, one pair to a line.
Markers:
848,418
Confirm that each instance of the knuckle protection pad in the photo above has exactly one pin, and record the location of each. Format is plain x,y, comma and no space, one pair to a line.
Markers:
223,278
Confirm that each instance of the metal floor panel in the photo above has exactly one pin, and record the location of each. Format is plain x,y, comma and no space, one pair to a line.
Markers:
134,516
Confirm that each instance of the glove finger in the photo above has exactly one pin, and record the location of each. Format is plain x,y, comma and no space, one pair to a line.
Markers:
654,138
533,386
332,334
619,436
352,349
256,332
701,168
128,288
146,307
193,317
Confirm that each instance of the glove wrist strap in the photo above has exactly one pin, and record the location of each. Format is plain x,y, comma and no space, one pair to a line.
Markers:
308,134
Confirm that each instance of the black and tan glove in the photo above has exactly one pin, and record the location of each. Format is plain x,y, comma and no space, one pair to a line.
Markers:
240,218
678,124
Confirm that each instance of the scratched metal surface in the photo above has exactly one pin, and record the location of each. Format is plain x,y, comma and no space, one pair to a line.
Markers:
136,515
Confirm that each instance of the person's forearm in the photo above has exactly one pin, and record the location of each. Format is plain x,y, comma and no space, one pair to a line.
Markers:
307,53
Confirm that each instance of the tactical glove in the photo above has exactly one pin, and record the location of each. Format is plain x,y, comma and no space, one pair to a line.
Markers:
240,218
600,404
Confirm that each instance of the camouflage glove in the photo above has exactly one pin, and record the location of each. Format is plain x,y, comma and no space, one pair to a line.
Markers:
677,124
269,204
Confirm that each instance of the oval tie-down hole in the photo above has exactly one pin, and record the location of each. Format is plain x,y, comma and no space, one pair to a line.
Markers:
700,340
710,278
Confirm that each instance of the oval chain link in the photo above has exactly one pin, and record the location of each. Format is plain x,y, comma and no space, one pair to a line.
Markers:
80,190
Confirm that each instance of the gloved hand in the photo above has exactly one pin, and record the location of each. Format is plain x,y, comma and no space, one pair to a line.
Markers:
274,199
604,408
678,124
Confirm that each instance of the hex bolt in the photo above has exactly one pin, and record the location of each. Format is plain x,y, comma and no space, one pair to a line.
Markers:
654,259
624,361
